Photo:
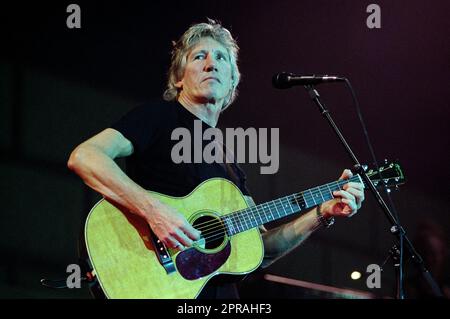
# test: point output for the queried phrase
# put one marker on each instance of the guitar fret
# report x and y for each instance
(282, 205)
(330, 191)
(302, 205)
(276, 208)
(249, 220)
(312, 196)
(321, 195)
(270, 211)
(259, 215)
(289, 202)
(240, 225)
(326, 193)
(310, 202)
(295, 198)
(230, 227)
(318, 196)
(288, 205)
(242, 221)
(245, 220)
(253, 221)
(238, 221)
(335, 186)
(254, 218)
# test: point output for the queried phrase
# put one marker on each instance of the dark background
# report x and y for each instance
(59, 86)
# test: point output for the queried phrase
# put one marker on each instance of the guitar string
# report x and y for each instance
(217, 229)
(271, 204)
(244, 215)
(220, 233)
(218, 223)
(216, 235)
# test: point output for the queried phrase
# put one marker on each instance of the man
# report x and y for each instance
(203, 78)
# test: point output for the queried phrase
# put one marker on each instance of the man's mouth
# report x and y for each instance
(211, 78)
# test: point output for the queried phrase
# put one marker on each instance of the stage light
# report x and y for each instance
(355, 275)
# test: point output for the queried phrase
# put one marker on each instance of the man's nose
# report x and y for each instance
(210, 64)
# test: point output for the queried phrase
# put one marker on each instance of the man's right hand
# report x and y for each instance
(171, 227)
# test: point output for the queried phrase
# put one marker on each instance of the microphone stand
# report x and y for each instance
(396, 229)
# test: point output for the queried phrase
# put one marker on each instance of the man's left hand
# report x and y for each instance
(347, 201)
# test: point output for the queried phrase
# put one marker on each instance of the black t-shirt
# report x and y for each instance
(149, 128)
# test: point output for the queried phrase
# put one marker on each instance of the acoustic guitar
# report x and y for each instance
(130, 262)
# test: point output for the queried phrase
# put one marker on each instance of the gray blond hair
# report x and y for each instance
(181, 48)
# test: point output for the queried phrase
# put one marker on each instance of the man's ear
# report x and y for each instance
(179, 84)
(233, 82)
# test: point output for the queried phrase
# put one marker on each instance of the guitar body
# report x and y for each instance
(125, 258)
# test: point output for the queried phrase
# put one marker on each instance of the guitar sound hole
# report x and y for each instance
(212, 231)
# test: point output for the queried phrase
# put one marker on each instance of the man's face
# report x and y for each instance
(207, 73)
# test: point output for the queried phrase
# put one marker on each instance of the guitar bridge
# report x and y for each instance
(163, 255)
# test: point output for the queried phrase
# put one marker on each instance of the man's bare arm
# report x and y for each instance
(94, 162)
(283, 239)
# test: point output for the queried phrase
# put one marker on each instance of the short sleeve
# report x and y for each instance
(142, 125)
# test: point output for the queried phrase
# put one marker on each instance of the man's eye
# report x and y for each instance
(199, 57)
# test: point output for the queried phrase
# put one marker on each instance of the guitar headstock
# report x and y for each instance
(390, 174)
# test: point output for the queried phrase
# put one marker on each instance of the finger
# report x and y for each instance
(351, 205)
(357, 194)
(346, 174)
(171, 243)
(174, 244)
(344, 194)
(182, 239)
(191, 232)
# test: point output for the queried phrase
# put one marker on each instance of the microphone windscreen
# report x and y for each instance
(281, 80)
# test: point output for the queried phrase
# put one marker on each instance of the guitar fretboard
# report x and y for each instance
(255, 216)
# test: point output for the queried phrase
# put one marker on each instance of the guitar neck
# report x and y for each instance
(255, 216)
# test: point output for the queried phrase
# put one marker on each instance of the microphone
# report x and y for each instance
(285, 80)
